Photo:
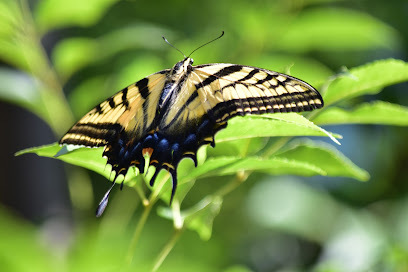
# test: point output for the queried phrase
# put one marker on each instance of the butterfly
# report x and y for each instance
(168, 115)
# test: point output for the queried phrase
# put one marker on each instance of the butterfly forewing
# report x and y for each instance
(240, 90)
(128, 111)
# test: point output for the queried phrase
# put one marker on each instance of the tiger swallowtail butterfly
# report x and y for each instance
(170, 114)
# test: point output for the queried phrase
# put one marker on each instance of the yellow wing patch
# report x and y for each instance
(122, 111)
(240, 90)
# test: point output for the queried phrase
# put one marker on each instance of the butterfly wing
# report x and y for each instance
(119, 122)
(214, 93)
(227, 90)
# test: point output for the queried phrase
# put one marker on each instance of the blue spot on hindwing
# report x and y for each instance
(166, 150)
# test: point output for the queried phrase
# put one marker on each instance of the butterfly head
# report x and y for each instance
(182, 67)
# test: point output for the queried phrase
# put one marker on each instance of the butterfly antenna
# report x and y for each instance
(173, 46)
(222, 34)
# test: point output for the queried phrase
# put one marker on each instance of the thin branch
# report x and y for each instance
(142, 221)
(167, 248)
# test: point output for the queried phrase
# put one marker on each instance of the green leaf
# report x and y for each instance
(209, 168)
(20, 89)
(273, 166)
(255, 126)
(336, 29)
(367, 79)
(90, 158)
(72, 54)
(200, 217)
(20, 239)
(221, 166)
(378, 112)
(11, 48)
(270, 125)
(10, 18)
(12, 53)
(52, 14)
(326, 157)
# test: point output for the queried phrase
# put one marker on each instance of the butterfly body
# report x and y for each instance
(170, 114)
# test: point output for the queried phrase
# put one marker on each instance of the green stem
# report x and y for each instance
(57, 116)
(136, 234)
(167, 248)
(277, 145)
(142, 221)
(239, 178)
(141, 194)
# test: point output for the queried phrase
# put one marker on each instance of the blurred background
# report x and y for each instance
(88, 50)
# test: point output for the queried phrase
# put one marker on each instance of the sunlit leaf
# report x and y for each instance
(10, 18)
(90, 158)
(270, 125)
(367, 79)
(329, 159)
(11, 53)
(377, 112)
(221, 166)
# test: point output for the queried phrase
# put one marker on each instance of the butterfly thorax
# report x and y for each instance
(178, 74)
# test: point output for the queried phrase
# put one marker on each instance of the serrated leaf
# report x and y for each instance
(367, 79)
(329, 159)
(378, 112)
(270, 125)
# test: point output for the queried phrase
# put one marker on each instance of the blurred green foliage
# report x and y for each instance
(62, 57)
